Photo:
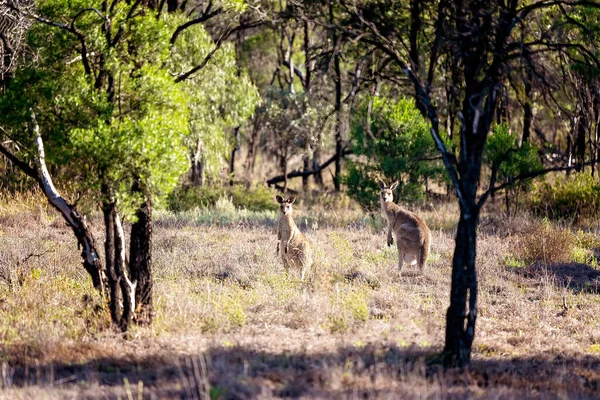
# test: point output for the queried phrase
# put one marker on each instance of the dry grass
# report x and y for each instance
(232, 324)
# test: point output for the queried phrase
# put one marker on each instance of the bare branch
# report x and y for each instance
(206, 15)
(218, 43)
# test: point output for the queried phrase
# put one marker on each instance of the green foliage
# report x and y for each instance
(220, 97)
(256, 198)
(575, 197)
(121, 120)
(502, 148)
(395, 146)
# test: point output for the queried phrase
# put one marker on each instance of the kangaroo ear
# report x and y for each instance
(291, 199)
(394, 185)
(381, 184)
(279, 199)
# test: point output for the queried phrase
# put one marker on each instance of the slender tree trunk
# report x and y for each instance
(140, 262)
(338, 108)
(85, 239)
(580, 134)
(126, 285)
(234, 150)
(459, 338)
(283, 166)
(527, 109)
(109, 212)
(307, 83)
(198, 162)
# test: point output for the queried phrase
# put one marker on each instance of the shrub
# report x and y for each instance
(544, 245)
(502, 147)
(257, 198)
(575, 197)
(396, 145)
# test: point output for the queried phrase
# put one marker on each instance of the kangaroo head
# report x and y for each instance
(285, 205)
(386, 191)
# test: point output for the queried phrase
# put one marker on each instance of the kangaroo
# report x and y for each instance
(292, 245)
(412, 235)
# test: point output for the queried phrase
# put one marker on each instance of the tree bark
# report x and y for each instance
(338, 107)
(140, 262)
(459, 339)
(109, 212)
(127, 286)
(234, 150)
(198, 165)
(527, 109)
(307, 83)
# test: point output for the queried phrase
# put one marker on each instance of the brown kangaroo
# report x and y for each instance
(412, 235)
(292, 245)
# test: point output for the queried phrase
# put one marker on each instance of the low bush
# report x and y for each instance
(545, 244)
(574, 198)
(256, 198)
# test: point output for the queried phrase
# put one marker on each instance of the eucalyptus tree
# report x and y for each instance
(480, 38)
(115, 109)
(221, 97)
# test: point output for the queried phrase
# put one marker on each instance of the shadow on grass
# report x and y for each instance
(365, 372)
(574, 276)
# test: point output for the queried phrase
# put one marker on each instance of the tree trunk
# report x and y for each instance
(127, 287)
(459, 337)
(527, 109)
(234, 150)
(198, 165)
(580, 134)
(338, 108)
(85, 239)
(307, 83)
(109, 212)
(140, 262)
(283, 166)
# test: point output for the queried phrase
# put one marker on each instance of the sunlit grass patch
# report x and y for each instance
(349, 307)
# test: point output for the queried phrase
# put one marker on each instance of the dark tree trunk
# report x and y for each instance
(581, 125)
(316, 162)
(173, 5)
(283, 166)
(140, 262)
(338, 107)
(234, 150)
(307, 83)
(527, 109)
(109, 211)
(198, 165)
(459, 336)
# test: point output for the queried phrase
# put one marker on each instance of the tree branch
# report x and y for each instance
(206, 15)
(296, 174)
(219, 42)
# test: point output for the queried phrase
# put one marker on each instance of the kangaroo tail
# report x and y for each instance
(424, 253)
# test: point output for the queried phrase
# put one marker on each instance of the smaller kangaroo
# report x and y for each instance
(412, 235)
(292, 245)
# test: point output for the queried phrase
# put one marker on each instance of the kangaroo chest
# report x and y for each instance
(286, 228)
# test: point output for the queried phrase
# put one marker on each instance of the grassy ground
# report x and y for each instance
(231, 323)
